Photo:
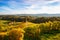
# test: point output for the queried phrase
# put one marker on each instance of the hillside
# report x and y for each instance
(44, 29)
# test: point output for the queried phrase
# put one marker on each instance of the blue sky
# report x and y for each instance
(29, 6)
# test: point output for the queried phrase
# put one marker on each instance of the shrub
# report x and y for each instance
(32, 33)
(16, 34)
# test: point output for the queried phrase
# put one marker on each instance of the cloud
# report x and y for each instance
(31, 7)
(44, 9)
(51, 9)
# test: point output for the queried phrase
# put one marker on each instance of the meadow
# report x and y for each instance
(29, 28)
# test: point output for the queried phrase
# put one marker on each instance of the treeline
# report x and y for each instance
(45, 19)
(29, 18)
(12, 18)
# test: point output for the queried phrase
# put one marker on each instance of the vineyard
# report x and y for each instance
(29, 28)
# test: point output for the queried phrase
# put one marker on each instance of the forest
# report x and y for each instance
(29, 28)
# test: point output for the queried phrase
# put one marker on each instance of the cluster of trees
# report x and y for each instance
(29, 18)
(13, 18)
(45, 19)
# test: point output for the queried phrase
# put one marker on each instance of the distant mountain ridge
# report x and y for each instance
(39, 15)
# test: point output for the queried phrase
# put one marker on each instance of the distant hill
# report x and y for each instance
(40, 15)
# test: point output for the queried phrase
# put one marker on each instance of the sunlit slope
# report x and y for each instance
(7, 25)
(27, 24)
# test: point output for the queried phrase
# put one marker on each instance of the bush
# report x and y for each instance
(32, 33)
(16, 34)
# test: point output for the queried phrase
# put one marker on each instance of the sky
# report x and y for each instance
(29, 6)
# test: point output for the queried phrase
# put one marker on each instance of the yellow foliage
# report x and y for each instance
(16, 34)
